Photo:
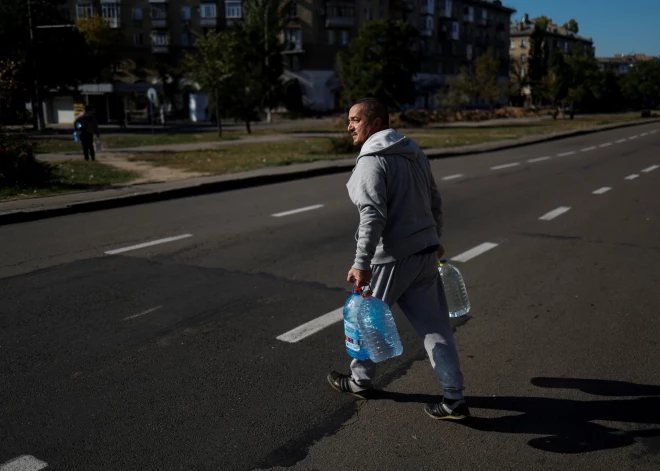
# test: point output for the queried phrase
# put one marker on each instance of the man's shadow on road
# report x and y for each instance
(566, 426)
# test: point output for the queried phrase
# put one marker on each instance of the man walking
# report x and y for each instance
(398, 246)
(86, 126)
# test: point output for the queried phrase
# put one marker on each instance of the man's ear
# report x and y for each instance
(378, 123)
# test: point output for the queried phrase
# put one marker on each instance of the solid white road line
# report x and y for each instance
(500, 167)
(142, 313)
(452, 177)
(296, 211)
(602, 190)
(474, 252)
(564, 154)
(148, 244)
(539, 159)
(312, 327)
(651, 168)
(607, 144)
(23, 463)
(555, 213)
(587, 149)
(632, 177)
(621, 140)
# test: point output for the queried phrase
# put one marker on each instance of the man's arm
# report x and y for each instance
(367, 189)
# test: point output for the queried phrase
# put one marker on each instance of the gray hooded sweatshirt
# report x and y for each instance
(398, 200)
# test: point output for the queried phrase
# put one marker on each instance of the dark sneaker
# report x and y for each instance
(345, 384)
(448, 409)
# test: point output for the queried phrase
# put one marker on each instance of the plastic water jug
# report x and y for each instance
(377, 328)
(354, 345)
(457, 297)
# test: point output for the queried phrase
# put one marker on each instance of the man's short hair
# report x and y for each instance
(89, 108)
(373, 108)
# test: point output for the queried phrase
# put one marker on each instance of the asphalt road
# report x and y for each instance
(167, 357)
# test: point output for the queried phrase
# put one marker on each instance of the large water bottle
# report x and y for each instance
(457, 297)
(378, 329)
(354, 346)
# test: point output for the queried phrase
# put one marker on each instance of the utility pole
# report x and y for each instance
(269, 115)
(37, 109)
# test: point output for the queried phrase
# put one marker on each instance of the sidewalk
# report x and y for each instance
(31, 209)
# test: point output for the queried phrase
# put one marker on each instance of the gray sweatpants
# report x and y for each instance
(414, 283)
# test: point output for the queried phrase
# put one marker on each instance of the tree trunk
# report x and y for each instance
(247, 126)
(217, 114)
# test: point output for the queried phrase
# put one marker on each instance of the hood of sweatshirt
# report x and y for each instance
(388, 142)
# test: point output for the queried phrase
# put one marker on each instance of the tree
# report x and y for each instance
(459, 91)
(106, 45)
(539, 58)
(641, 85)
(213, 67)
(485, 82)
(379, 63)
(517, 83)
(572, 26)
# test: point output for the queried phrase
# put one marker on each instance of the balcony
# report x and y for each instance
(426, 33)
(484, 22)
(468, 18)
(112, 22)
(293, 48)
(159, 22)
(160, 49)
(445, 13)
(208, 22)
(339, 22)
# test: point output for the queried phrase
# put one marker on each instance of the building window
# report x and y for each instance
(160, 39)
(429, 23)
(65, 13)
(468, 51)
(455, 31)
(468, 14)
(344, 37)
(187, 39)
(138, 39)
(367, 13)
(233, 10)
(332, 36)
(208, 10)
(292, 10)
(293, 38)
(345, 12)
(185, 13)
(84, 10)
(158, 12)
(566, 48)
(522, 72)
(110, 13)
(427, 6)
(484, 15)
(446, 8)
(523, 43)
(523, 58)
(137, 14)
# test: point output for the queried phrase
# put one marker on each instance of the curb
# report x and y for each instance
(16, 217)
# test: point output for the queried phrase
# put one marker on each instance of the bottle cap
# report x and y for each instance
(356, 289)
(442, 263)
(366, 291)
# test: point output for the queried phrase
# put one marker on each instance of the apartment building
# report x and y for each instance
(453, 34)
(558, 39)
(622, 63)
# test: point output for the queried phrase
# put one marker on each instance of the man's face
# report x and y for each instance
(359, 126)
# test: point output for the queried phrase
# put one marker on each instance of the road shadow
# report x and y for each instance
(565, 425)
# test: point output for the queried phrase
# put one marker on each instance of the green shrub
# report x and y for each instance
(18, 167)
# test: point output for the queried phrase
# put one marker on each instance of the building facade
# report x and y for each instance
(622, 63)
(453, 34)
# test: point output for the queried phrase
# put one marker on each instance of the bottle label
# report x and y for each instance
(352, 336)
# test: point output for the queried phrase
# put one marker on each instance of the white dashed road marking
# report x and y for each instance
(633, 137)
(312, 326)
(555, 213)
(500, 167)
(621, 140)
(653, 132)
(587, 149)
(564, 154)
(142, 313)
(651, 168)
(632, 177)
(452, 177)
(296, 211)
(607, 144)
(602, 190)
(539, 159)
(474, 252)
(23, 463)
(148, 244)
(644, 134)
